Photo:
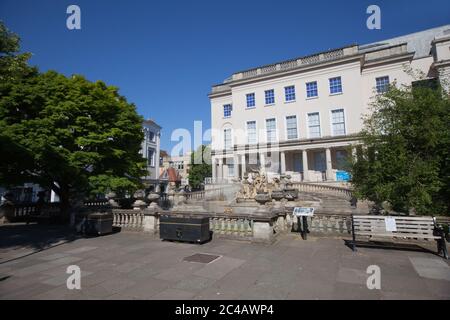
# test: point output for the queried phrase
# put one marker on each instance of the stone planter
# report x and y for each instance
(277, 195)
(262, 198)
(291, 194)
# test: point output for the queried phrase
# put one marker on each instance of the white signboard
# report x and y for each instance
(390, 224)
(303, 211)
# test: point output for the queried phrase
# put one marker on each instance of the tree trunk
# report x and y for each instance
(64, 200)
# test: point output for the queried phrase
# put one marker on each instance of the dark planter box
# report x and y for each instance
(99, 223)
(184, 228)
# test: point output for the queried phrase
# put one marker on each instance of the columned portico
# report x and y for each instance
(318, 162)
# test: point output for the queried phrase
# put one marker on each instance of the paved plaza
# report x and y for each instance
(129, 265)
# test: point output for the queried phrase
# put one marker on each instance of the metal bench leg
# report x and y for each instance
(353, 236)
(444, 247)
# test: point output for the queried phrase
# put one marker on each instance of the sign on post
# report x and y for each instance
(390, 224)
(303, 211)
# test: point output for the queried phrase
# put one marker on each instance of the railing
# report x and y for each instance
(24, 210)
(290, 64)
(129, 219)
(195, 195)
(330, 223)
(96, 203)
(329, 190)
(236, 227)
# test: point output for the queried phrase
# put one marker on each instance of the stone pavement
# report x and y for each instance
(139, 266)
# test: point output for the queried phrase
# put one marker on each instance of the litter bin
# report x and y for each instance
(99, 223)
(184, 228)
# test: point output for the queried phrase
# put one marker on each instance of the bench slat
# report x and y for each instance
(396, 217)
(400, 235)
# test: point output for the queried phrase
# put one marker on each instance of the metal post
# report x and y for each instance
(353, 235)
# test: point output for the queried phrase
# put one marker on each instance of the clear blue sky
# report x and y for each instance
(165, 55)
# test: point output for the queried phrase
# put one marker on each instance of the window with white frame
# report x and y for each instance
(289, 93)
(227, 139)
(382, 84)
(314, 125)
(227, 108)
(250, 100)
(151, 157)
(291, 127)
(311, 89)
(271, 130)
(270, 96)
(335, 85)
(251, 132)
(338, 122)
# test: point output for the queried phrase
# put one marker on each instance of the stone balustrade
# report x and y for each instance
(234, 227)
(323, 189)
(128, 219)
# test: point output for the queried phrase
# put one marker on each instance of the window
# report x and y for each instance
(311, 89)
(151, 136)
(289, 93)
(227, 110)
(270, 96)
(250, 100)
(230, 166)
(291, 127)
(227, 138)
(335, 85)
(271, 128)
(251, 132)
(314, 125)
(341, 160)
(382, 84)
(151, 157)
(338, 122)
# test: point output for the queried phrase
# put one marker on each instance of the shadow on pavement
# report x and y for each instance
(19, 239)
(385, 245)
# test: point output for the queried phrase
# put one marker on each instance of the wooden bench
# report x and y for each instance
(404, 227)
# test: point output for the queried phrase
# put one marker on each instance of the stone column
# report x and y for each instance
(243, 166)
(236, 166)
(283, 162)
(214, 170)
(220, 169)
(262, 162)
(329, 164)
(305, 165)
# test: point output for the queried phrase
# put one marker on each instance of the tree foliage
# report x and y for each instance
(405, 159)
(66, 133)
(200, 166)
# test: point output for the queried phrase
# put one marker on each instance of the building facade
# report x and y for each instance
(151, 151)
(180, 163)
(302, 116)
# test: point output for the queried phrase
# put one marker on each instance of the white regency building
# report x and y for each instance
(150, 150)
(302, 116)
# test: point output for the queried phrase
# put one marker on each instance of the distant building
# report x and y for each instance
(301, 116)
(180, 163)
(151, 151)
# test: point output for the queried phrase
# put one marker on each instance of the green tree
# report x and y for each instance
(13, 65)
(200, 166)
(404, 159)
(71, 135)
